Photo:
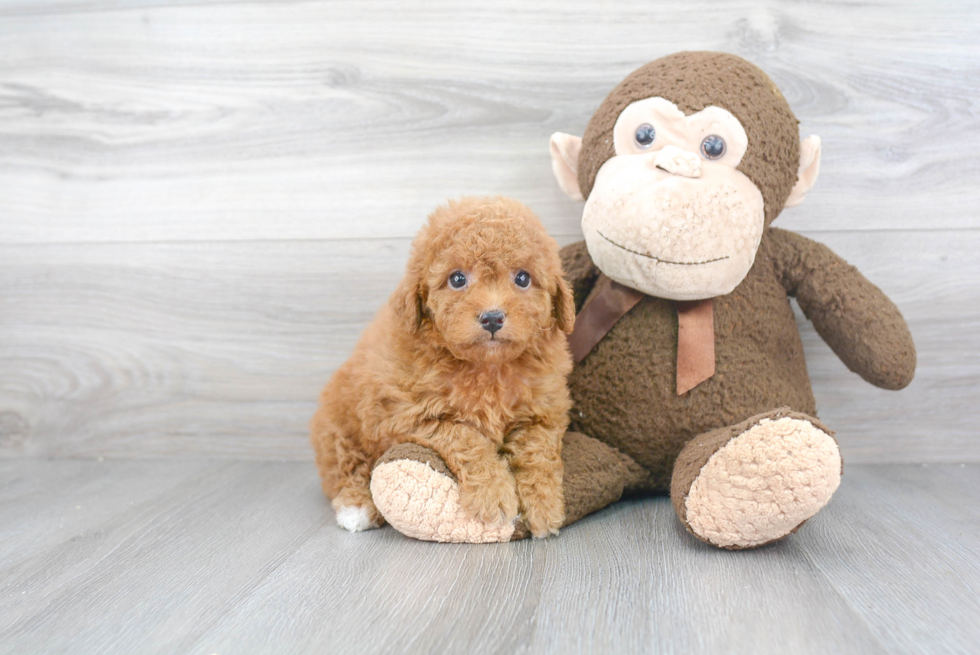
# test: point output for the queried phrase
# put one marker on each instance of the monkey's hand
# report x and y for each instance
(856, 319)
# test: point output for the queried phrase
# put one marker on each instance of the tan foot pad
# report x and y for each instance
(764, 483)
(423, 504)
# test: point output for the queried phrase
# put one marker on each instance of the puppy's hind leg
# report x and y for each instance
(344, 473)
(353, 505)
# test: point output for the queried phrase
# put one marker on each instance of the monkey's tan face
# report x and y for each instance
(669, 214)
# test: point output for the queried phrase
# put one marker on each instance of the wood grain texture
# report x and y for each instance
(41, 509)
(203, 203)
(920, 525)
(243, 557)
(221, 349)
(148, 121)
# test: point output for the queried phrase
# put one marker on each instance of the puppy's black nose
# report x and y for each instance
(492, 320)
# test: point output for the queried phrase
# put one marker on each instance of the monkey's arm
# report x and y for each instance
(580, 272)
(854, 317)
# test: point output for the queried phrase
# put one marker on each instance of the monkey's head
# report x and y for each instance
(683, 167)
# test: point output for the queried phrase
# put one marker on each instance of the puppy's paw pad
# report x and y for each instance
(354, 519)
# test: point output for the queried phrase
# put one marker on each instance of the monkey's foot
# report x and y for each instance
(756, 482)
(419, 496)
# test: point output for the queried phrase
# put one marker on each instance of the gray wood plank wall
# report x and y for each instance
(203, 203)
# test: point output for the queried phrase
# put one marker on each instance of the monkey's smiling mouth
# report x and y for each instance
(657, 259)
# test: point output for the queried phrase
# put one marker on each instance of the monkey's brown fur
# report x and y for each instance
(624, 390)
(426, 372)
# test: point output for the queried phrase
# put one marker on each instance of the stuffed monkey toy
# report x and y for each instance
(690, 377)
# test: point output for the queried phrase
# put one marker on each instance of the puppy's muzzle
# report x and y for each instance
(492, 320)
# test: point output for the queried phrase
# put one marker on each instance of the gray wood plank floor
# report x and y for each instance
(243, 557)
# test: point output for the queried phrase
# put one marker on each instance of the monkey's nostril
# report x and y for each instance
(492, 320)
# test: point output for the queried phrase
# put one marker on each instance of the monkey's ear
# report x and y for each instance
(809, 169)
(563, 304)
(408, 304)
(564, 162)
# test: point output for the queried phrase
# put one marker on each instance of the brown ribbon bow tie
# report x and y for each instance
(695, 343)
(695, 330)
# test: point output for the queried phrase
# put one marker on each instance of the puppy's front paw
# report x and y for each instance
(491, 500)
(545, 515)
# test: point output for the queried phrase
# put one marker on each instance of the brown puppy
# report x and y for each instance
(468, 358)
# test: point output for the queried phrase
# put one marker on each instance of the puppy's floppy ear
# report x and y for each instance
(408, 303)
(563, 306)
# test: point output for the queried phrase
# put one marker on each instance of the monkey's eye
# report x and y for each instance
(522, 279)
(457, 280)
(713, 147)
(645, 134)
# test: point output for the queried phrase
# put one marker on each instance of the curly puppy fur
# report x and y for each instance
(493, 405)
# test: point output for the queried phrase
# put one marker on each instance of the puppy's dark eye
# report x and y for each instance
(645, 134)
(522, 279)
(457, 280)
(713, 147)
